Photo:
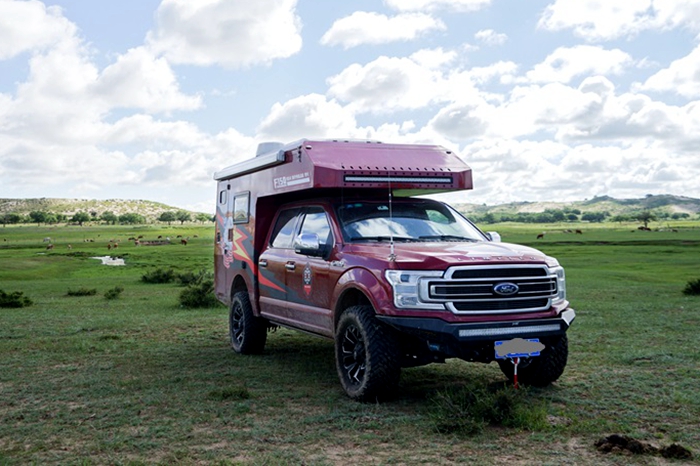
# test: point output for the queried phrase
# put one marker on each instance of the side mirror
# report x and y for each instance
(308, 244)
(493, 236)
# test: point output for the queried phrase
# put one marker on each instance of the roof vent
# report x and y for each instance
(267, 147)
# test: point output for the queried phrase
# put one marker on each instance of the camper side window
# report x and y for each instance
(284, 229)
(241, 208)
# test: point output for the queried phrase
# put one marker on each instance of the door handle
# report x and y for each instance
(290, 266)
(263, 262)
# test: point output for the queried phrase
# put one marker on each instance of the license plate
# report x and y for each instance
(518, 348)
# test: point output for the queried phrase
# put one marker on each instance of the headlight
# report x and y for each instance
(561, 283)
(406, 285)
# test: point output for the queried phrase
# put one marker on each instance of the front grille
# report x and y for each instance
(473, 290)
(502, 305)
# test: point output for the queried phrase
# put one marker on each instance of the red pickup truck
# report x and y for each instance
(328, 237)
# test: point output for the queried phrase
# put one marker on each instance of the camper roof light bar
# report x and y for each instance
(398, 179)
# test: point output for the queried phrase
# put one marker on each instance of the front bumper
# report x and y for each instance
(430, 329)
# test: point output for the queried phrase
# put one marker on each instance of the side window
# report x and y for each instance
(283, 232)
(316, 221)
(241, 207)
(223, 197)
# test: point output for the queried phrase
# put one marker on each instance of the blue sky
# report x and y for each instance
(554, 100)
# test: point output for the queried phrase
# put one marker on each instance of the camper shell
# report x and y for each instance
(286, 255)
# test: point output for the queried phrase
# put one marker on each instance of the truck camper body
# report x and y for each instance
(328, 237)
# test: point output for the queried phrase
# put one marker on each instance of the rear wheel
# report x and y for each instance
(367, 356)
(542, 370)
(247, 332)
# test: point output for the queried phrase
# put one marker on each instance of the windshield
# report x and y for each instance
(404, 220)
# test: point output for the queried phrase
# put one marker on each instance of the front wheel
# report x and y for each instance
(247, 332)
(367, 356)
(542, 370)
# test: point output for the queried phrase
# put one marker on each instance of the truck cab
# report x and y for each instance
(328, 237)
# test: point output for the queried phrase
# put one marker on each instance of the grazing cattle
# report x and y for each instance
(579, 232)
(643, 228)
(109, 246)
(50, 246)
(540, 236)
(160, 237)
(183, 241)
(140, 237)
(137, 243)
(70, 247)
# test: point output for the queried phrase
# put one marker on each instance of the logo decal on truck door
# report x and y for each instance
(307, 280)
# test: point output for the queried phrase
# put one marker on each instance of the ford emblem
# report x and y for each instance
(505, 289)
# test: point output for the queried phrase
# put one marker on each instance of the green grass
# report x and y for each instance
(141, 380)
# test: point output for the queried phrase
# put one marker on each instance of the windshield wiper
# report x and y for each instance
(382, 238)
(447, 238)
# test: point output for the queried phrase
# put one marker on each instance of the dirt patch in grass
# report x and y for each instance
(616, 443)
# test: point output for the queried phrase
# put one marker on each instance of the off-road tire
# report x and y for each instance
(367, 355)
(247, 333)
(542, 370)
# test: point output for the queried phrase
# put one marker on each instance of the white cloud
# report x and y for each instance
(54, 126)
(567, 63)
(373, 28)
(430, 5)
(66, 98)
(30, 26)
(462, 121)
(433, 58)
(612, 19)
(307, 116)
(491, 37)
(385, 85)
(681, 77)
(503, 72)
(139, 80)
(525, 111)
(507, 170)
(145, 131)
(230, 34)
(590, 112)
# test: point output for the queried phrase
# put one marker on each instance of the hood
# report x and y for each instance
(435, 256)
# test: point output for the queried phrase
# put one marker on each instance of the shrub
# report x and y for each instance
(468, 410)
(692, 287)
(188, 278)
(199, 293)
(114, 292)
(82, 292)
(231, 393)
(14, 299)
(158, 276)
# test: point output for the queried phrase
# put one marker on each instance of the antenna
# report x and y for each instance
(392, 255)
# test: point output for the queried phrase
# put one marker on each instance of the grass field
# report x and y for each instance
(140, 380)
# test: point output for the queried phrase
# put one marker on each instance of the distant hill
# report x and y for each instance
(149, 209)
(664, 203)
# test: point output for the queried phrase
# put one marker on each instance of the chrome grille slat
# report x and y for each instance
(470, 290)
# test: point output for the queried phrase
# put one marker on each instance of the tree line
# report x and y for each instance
(110, 218)
(575, 215)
